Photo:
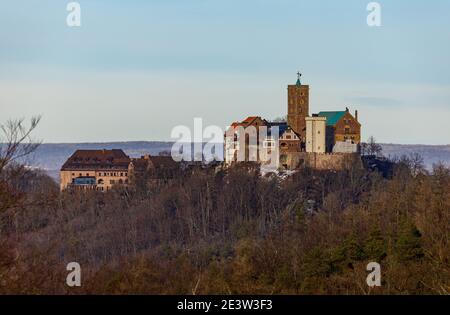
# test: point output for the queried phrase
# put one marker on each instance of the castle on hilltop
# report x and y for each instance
(321, 140)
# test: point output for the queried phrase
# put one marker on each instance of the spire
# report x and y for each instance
(298, 79)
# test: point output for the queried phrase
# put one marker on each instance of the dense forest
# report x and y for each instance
(214, 230)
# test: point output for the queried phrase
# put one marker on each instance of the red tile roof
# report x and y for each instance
(97, 159)
(249, 120)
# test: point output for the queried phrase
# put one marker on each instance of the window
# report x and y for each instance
(121, 174)
(112, 181)
(347, 130)
(288, 136)
(318, 132)
(268, 144)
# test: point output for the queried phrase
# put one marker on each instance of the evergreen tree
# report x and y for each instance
(408, 243)
(375, 245)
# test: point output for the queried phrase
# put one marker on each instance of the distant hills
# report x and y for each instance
(431, 153)
(51, 156)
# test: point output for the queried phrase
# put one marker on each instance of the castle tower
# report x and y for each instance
(298, 107)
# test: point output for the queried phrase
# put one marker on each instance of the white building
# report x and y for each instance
(315, 134)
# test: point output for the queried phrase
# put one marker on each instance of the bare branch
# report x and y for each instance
(16, 141)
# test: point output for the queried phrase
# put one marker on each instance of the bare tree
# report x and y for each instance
(16, 141)
(417, 164)
(371, 147)
(280, 119)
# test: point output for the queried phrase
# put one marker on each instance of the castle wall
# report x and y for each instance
(323, 161)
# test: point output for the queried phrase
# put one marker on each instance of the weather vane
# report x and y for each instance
(298, 78)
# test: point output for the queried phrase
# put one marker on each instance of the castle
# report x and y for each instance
(322, 140)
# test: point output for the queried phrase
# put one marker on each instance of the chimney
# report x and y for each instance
(356, 115)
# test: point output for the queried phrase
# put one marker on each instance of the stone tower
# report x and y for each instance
(298, 107)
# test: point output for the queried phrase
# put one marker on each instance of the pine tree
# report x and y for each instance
(408, 245)
(375, 245)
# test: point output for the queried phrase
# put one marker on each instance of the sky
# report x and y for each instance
(136, 69)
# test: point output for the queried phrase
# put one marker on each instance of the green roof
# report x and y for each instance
(332, 117)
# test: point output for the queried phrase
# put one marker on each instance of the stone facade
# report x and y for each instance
(298, 108)
(322, 161)
(348, 128)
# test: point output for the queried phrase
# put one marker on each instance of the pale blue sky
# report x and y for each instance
(135, 69)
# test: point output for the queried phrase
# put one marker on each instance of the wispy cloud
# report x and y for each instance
(375, 101)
